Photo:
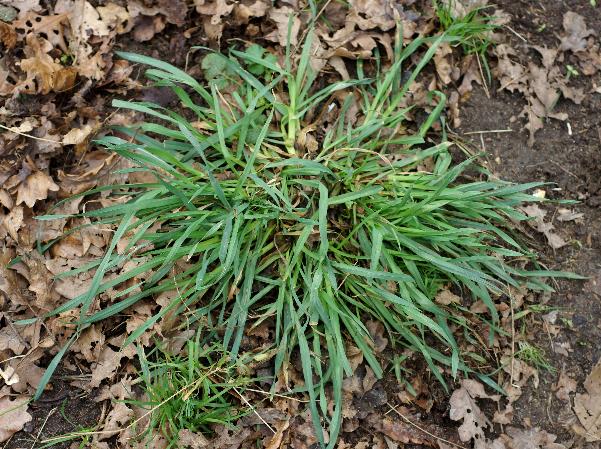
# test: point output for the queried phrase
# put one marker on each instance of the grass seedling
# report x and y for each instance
(259, 209)
(473, 29)
(188, 391)
(534, 356)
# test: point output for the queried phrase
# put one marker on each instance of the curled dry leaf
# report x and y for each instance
(35, 188)
(587, 406)
(42, 71)
(13, 416)
(8, 35)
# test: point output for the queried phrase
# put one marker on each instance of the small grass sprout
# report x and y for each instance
(272, 198)
(534, 356)
(190, 390)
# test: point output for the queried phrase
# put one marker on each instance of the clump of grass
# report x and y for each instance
(188, 391)
(534, 356)
(313, 237)
(474, 29)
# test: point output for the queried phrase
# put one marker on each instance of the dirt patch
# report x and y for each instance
(568, 156)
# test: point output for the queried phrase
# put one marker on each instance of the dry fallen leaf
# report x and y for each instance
(447, 297)
(34, 188)
(587, 406)
(192, 440)
(464, 407)
(576, 32)
(13, 416)
(538, 214)
(535, 438)
(565, 386)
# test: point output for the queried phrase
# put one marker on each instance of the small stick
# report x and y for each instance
(516, 33)
(489, 131)
(37, 437)
(254, 410)
(29, 135)
(482, 76)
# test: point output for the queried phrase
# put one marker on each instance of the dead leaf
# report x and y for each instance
(281, 17)
(505, 416)
(447, 297)
(564, 214)
(35, 188)
(43, 73)
(446, 72)
(538, 214)
(576, 32)
(50, 26)
(108, 364)
(78, 135)
(8, 35)
(528, 439)
(464, 407)
(370, 14)
(565, 386)
(192, 440)
(13, 416)
(24, 6)
(116, 420)
(9, 375)
(398, 430)
(275, 441)
(587, 406)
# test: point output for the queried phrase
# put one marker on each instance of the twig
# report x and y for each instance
(489, 131)
(254, 410)
(29, 135)
(482, 77)
(512, 338)
(516, 33)
(37, 437)
(422, 429)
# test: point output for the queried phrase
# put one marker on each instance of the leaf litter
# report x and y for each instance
(68, 48)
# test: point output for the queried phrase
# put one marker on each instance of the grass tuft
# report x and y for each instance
(272, 199)
(187, 391)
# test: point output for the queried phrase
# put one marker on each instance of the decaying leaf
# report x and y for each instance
(565, 385)
(587, 406)
(533, 210)
(44, 74)
(192, 440)
(535, 438)
(13, 416)
(35, 188)
(108, 363)
(464, 407)
(576, 32)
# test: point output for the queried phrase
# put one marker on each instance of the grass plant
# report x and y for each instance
(248, 221)
(190, 390)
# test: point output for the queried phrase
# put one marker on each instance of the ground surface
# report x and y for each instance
(568, 158)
